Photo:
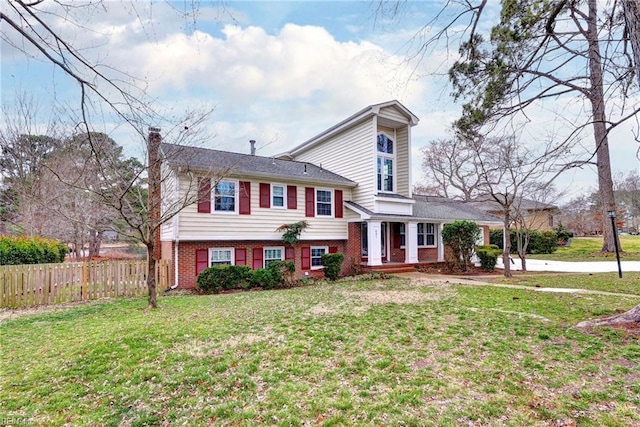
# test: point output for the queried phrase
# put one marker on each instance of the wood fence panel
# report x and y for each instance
(46, 284)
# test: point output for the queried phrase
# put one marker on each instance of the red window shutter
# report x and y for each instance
(338, 197)
(333, 249)
(306, 258)
(204, 195)
(292, 197)
(241, 256)
(202, 260)
(289, 253)
(309, 201)
(265, 195)
(257, 258)
(245, 198)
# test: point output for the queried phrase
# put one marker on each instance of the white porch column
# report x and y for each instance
(440, 244)
(374, 242)
(411, 243)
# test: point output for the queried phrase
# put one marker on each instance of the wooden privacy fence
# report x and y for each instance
(45, 284)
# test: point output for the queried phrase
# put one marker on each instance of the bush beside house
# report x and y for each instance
(235, 277)
(540, 242)
(31, 250)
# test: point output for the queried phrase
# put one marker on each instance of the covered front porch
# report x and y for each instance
(400, 242)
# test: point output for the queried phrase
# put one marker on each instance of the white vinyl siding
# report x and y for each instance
(403, 160)
(394, 114)
(350, 154)
(261, 223)
(169, 190)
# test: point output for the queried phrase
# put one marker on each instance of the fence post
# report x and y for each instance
(85, 281)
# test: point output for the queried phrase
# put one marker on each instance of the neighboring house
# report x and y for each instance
(351, 183)
(537, 215)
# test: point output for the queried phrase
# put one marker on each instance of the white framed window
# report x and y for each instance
(273, 254)
(225, 197)
(221, 256)
(316, 256)
(426, 234)
(385, 163)
(364, 239)
(278, 194)
(324, 202)
(403, 234)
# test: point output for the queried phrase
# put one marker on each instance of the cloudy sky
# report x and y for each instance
(276, 72)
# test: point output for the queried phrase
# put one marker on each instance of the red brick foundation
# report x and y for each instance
(187, 256)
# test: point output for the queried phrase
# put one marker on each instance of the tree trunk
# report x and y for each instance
(152, 286)
(506, 260)
(632, 17)
(630, 316)
(94, 243)
(153, 200)
(596, 97)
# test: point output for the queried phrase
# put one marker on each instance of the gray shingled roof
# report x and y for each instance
(442, 208)
(489, 205)
(246, 165)
(428, 208)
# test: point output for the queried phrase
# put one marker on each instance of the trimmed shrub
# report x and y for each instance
(488, 255)
(332, 264)
(224, 277)
(283, 271)
(461, 238)
(543, 242)
(540, 242)
(31, 250)
(265, 278)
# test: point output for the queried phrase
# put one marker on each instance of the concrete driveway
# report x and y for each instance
(574, 267)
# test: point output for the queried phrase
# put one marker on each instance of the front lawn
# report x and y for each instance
(588, 249)
(388, 352)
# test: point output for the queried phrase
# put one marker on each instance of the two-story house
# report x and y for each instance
(351, 184)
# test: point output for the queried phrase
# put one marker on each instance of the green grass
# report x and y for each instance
(607, 282)
(388, 352)
(588, 249)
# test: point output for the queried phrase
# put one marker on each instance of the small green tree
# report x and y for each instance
(291, 232)
(461, 238)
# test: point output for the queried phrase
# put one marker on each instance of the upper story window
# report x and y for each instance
(385, 163)
(385, 144)
(277, 196)
(324, 203)
(225, 196)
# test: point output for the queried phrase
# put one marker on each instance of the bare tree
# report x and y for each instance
(103, 87)
(537, 52)
(448, 164)
(25, 146)
(508, 173)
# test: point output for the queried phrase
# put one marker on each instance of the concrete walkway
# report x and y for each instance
(482, 281)
(573, 267)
